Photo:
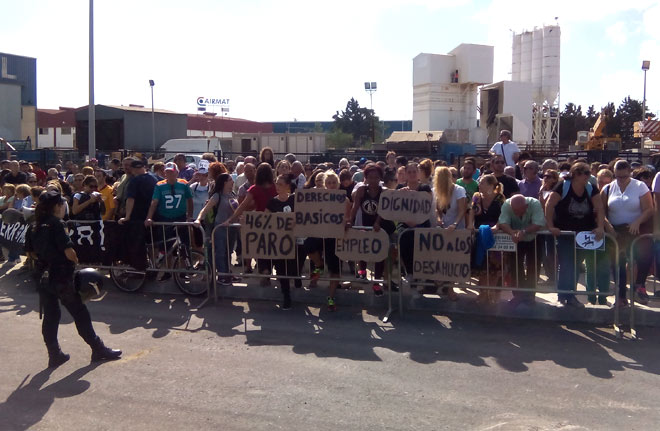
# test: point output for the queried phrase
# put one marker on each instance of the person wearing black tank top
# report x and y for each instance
(366, 199)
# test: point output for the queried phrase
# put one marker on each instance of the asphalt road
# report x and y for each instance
(251, 366)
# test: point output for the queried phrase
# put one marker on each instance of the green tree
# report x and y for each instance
(361, 123)
(571, 121)
(338, 139)
(630, 111)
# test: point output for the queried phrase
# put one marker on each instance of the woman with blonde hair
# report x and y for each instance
(451, 201)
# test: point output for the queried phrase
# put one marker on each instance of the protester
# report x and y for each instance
(366, 200)
(451, 202)
(509, 184)
(159, 171)
(185, 172)
(628, 206)
(88, 203)
(222, 205)
(530, 185)
(521, 218)
(250, 174)
(298, 174)
(266, 156)
(486, 209)
(284, 202)
(16, 176)
(467, 181)
(506, 148)
(106, 193)
(575, 205)
(200, 188)
(604, 177)
(7, 198)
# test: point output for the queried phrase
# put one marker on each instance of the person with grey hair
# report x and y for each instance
(530, 185)
(290, 157)
(522, 217)
(298, 172)
(506, 148)
(549, 164)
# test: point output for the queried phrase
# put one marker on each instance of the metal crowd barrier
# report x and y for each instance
(173, 241)
(300, 262)
(471, 283)
(634, 268)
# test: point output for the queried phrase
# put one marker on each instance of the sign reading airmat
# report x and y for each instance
(364, 245)
(268, 235)
(441, 254)
(320, 213)
(405, 205)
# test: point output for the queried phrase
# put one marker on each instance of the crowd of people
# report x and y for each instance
(506, 192)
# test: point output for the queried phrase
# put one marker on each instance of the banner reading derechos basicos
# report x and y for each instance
(268, 235)
(364, 245)
(320, 213)
(441, 254)
(405, 205)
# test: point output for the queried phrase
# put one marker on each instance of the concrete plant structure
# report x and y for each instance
(445, 89)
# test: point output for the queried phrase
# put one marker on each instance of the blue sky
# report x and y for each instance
(280, 60)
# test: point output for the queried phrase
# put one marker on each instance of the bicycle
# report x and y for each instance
(186, 268)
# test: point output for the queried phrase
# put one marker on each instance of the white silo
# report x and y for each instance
(516, 49)
(526, 57)
(537, 64)
(551, 51)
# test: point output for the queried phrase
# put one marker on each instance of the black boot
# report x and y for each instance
(102, 353)
(55, 356)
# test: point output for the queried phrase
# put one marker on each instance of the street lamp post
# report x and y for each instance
(646, 65)
(371, 87)
(153, 117)
(91, 135)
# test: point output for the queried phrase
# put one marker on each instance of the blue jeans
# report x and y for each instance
(597, 265)
(225, 238)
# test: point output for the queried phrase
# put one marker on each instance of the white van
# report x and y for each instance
(191, 145)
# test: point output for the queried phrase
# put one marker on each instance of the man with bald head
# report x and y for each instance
(241, 178)
(521, 218)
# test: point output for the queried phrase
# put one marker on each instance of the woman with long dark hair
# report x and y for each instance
(224, 204)
(266, 156)
(49, 244)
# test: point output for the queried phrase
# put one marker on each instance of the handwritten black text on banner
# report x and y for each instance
(320, 213)
(440, 254)
(268, 235)
(364, 245)
(405, 205)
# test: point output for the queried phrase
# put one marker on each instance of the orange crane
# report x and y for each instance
(596, 139)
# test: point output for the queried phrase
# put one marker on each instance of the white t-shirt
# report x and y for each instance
(200, 196)
(300, 182)
(626, 207)
(451, 216)
(656, 183)
(238, 182)
(507, 150)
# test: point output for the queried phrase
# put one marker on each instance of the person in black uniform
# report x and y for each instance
(48, 243)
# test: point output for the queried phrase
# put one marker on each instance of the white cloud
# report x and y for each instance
(617, 33)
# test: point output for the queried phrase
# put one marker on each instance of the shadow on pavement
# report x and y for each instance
(28, 404)
(354, 334)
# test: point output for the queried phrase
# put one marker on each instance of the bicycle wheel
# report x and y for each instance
(128, 280)
(193, 284)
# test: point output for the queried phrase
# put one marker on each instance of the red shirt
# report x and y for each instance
(261, 195)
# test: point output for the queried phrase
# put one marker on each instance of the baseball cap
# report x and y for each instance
(171, 166)
(203, 167)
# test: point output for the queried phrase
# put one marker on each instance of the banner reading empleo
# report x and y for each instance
(441, 254)
(405, 205)
(320, 213)
(268, 235)
(364, 245)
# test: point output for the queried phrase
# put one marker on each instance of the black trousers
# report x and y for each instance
(526, 268)
(286, 267)
(52, 313)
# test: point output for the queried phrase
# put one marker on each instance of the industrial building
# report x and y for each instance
(57, 128)
(18, 93)
(445, 90)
